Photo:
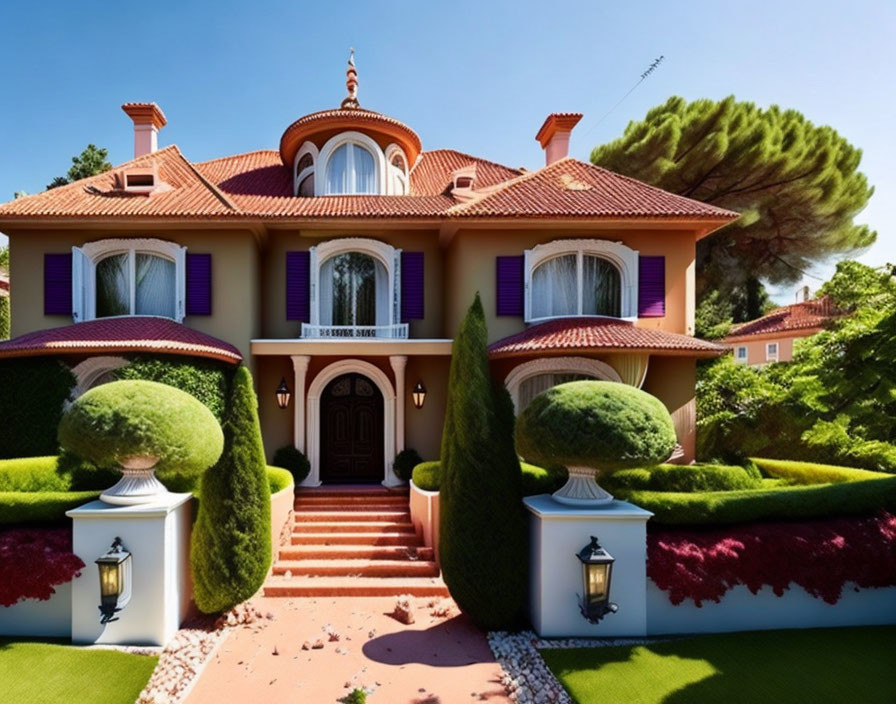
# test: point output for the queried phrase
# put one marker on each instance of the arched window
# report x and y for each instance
(526, 381)
(306, 159)
(128, 277)
(580, 277)
(351, 169)
(352, 284)
(398, 170)
(534, 385)
(575, 285)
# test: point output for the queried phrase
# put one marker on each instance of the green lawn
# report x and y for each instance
(38, 672)
(819, 666)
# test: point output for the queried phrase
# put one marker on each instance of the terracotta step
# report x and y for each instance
(354, 586)
(353, 527)
(369, 552)
(326, 538)
(360, 568)
(351, 500)
(372, 492)
(360, 515)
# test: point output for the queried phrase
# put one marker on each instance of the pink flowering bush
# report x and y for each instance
(820, 556)
(33, 561)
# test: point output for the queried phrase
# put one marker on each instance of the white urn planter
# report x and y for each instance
(138, 483)
(582, 490)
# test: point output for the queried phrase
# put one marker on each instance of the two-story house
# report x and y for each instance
(343, 262)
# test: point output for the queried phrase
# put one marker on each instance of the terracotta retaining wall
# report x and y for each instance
(281, 504)
(425, 516)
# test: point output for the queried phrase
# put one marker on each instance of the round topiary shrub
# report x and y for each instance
(404, 463)
(138, 427)
(594, 427)
(291, 458)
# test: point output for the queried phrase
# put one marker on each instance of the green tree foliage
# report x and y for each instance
(231, 544)
(131, 418)
(4, 300)
(796, 185)
(835, 402)
(483, 532)
(32, 393)
(90, 162)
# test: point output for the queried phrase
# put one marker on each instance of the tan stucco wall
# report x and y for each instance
(470, 267)
(274, 324)
(672, 381)
(235, 290)
(756, 350)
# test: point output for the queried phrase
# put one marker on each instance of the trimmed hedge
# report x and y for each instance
(278, 478)
(53, 473)
(404, 463)
(204, 379)
(598, 424)
(813, 473)
(128, 418)
(685, 478)
(292, 459)
(230, 550)
(535, 480)
(32, 394)
(788, 502)
(40, 506)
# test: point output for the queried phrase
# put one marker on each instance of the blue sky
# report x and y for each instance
(475, 76)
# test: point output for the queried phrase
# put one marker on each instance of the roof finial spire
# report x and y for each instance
(351, 83)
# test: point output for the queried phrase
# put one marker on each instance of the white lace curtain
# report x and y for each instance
(154, 286)
(351, 169)
(555, 287)
(534, 385)
(353, 290)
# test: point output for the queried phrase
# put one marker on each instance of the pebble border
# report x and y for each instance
(526, 677)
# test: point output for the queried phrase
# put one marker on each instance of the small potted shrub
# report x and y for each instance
(139, 427)
(404, 463)
(291, 458)
(594, 427)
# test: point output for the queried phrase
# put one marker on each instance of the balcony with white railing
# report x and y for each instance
(398, 331)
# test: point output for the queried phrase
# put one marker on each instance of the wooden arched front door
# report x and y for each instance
(351, 430)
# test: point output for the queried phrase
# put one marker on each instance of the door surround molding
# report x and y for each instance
(312, 413)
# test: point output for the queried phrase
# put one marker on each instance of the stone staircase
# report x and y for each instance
(354, 541)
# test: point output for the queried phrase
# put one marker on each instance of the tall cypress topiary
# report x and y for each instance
(231, 544)
(482, 547)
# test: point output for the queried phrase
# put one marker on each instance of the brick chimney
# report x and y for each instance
(148, 120)
(554, 135)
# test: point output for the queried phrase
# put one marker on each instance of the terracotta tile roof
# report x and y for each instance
(191, 194)
(432, 175)
(569, 187)
(592, 333)
(256, 185)
(797, 316)
(128, 334)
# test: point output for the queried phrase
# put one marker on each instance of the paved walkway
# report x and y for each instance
(433, 661)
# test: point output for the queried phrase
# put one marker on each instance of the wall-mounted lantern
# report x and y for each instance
(419, 394)
(597, 570)
(115, 581)
(282, 394)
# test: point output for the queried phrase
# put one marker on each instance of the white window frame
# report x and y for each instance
(385, 254)
(361, 140)
(557, 365)
(737, 357)
(397, 183)
(85, 259)
(306, 148)
(769, 356)
(623, 258)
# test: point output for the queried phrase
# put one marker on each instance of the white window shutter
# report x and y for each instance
(527, 285)
(180, 270)
(396, 287)
(82, 286)
(314, 269)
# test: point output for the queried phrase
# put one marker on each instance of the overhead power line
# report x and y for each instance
(650, 69)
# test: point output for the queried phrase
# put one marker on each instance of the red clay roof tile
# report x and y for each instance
(797, 316)
(128, 334)
(593, 333)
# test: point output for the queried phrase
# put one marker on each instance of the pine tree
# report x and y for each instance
(482, 547)
(231, 543)
(90, 162)
(796, 185)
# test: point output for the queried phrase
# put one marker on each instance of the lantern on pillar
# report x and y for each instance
(282, 393)
(597, 572)
(115, 581)
(419, 394)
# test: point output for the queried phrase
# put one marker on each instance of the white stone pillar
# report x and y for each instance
(158, 537)
(399, 362)
(300, 368)
(558, 532)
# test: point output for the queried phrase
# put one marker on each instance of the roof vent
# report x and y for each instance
(142, 180)
(462, 182)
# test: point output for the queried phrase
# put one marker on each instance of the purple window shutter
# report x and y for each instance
(58, 284)
(199, 284)
(298, 300)
(510, 285)
(651, 287)
(411, 286)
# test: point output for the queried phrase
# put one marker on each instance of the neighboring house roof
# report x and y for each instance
(126, 334)
(808, 315)
(256, 185)
(595, 333)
